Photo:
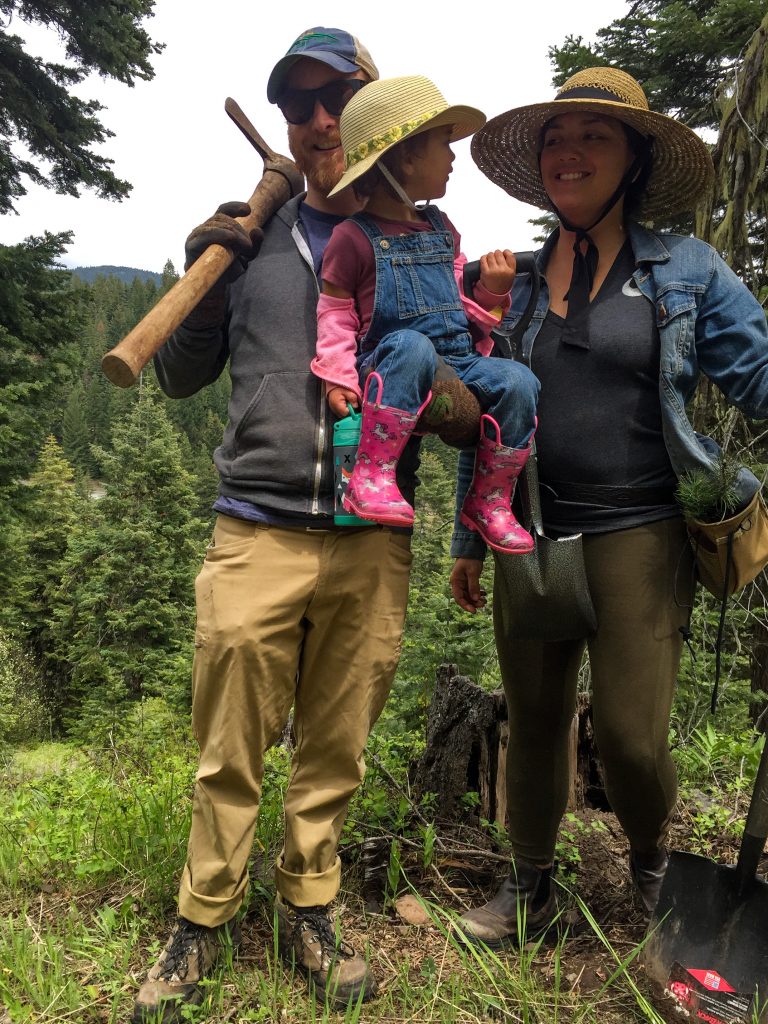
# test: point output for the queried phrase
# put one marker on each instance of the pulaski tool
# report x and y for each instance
(280, 181)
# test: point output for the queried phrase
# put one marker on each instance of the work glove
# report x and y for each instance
(220, 229)
(453, 412)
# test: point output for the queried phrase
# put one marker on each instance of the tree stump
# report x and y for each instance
(466, 751)
(466, 747)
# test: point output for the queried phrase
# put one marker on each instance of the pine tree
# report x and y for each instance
(37, 108)
(40, 319)
(53, 507)
(679, 50)
(124, 611)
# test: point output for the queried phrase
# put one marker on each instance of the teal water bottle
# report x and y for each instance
(346, 437)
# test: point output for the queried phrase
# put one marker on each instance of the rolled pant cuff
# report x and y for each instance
(308, 890)
(208, 911)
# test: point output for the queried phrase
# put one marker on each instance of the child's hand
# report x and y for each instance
(497, 271)
(339, 398)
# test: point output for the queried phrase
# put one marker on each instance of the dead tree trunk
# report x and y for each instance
(466, 728)
(758, 665)
(466, 751)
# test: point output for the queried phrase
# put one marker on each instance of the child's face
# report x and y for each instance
(431, 165)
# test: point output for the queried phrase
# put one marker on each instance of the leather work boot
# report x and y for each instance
(524, 905)
(648, 872)
(188, 957)
(308, 940)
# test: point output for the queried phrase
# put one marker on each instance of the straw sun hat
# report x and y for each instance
(507, 149)
(388, 111)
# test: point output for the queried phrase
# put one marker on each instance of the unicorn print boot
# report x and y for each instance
(372, 492)
(487, 505)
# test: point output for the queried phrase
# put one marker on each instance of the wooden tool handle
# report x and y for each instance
(756, 829)
(123, 364)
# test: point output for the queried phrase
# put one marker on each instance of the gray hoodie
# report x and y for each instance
(277, 450)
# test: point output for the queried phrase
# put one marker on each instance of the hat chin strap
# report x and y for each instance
(629, 175)
(576, 329)
(398, 189)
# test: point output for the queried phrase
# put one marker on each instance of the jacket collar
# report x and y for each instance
(647, 246)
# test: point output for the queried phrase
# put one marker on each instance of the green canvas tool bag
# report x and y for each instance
(543, 595)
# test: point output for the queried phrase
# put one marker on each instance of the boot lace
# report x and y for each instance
(188, 938)
(316, 921)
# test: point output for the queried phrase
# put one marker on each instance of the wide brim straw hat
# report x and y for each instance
(384, 113)
(507, 149)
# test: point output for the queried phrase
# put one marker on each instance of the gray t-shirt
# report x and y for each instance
(602, 460)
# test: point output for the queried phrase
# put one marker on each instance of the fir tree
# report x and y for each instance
(679, 50)
(41, 317)
(37, 108)
(124, 611)
(53, 507)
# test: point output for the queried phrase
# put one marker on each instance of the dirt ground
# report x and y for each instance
(594, 865)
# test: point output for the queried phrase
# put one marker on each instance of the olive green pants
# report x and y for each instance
(641, 582)
(286, 617)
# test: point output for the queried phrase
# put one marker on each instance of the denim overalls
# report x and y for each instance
(418, 316)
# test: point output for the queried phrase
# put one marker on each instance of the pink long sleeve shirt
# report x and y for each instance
(349, 264)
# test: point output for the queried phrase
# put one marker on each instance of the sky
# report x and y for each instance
(182, 154)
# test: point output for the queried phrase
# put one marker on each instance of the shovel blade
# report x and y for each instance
(708, 941)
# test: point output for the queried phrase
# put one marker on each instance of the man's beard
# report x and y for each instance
(322, 170)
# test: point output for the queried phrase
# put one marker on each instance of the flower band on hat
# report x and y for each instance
(384, 113)
(388, 138)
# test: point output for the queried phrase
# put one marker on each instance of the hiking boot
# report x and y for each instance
(525, 905)
(307, 939)
(188, 957)
(648, 872)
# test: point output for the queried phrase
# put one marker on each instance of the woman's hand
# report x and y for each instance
(465, 584)
(497, 271)
(339, 398)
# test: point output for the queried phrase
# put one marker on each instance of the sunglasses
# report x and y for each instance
(298, 105)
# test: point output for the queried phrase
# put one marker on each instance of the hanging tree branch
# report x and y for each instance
(735, 216)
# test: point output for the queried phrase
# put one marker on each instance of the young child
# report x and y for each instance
(392, 302)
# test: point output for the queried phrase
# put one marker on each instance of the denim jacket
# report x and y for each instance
(708, 322)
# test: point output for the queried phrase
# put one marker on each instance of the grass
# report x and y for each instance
(91, 847)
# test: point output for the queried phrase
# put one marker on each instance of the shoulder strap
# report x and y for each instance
(435, 217)
(367, 225)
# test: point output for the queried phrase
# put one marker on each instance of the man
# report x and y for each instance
(290, 609)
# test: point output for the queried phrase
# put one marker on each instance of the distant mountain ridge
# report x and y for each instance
(125, 274)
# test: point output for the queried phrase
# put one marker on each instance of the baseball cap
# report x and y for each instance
(332, 46)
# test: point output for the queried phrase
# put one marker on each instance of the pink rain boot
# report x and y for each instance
(372, 491)
(487, 505)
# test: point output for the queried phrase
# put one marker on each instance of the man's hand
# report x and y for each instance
(339, 397)
(465, 584)
(497, 271)
(223, 229)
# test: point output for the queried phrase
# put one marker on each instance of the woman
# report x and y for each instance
(626, 320)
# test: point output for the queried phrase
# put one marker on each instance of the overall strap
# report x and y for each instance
(435, 217)
(368, 226)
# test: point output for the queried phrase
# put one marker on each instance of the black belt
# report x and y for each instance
(604, 494)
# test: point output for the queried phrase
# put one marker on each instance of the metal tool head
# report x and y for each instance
(707, 943)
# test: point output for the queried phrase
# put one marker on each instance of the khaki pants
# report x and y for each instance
(286, 617)
(641, 581)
